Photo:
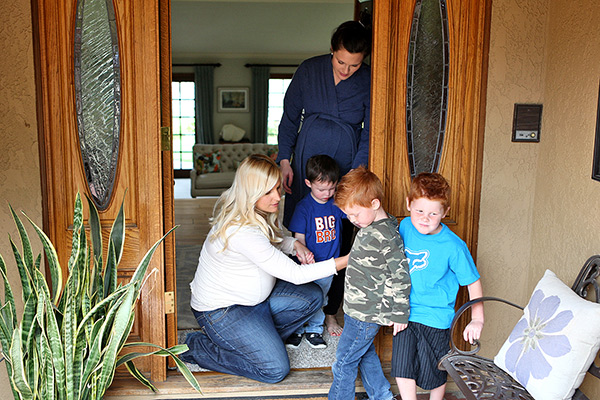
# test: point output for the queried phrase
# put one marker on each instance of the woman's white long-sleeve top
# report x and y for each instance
(246, 272)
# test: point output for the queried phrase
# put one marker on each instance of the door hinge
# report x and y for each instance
(169, 302)
(165, 138)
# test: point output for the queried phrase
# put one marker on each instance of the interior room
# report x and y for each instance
(232, 41)
(534, 205)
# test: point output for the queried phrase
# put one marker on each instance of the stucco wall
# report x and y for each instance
(516, 75)
(539, 205)
(566, 213)
(19, 163)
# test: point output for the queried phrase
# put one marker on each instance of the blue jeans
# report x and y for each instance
(315, 323)
(249, 340)
(356, 350)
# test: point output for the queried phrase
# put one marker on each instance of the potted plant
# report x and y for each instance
(67, 343)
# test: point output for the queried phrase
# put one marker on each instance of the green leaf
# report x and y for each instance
(95, 229)
(52, 262)
(110, 272)
(24, 272)
(9, 298)
(48, 384)
(121, 323)
(28, 318)
(25, 243)
(139, 376)
(56, 345)
(140, 271)
(117, 233)
(170, 352)
(76, 239)
(18, 377)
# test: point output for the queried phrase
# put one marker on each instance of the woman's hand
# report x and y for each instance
(287, 174)
(341, 262)
(305, 256)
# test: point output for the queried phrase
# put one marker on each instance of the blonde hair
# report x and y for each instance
(256, 176)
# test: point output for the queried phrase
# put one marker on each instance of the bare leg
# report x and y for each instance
(333, 327)
(438, 393)
(407, 388)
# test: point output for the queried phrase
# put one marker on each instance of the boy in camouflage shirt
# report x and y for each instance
(377, 287)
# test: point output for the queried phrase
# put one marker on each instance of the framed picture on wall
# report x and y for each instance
(596, 162)
(232, 99)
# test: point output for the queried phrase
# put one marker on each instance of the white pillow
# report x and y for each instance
(232, 133)
(554, 343)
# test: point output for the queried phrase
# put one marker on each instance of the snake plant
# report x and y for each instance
(68, 342)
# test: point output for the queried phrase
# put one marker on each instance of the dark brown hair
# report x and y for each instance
(352, 36)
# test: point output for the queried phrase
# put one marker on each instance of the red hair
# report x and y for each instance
(358, 187)
(432, 186)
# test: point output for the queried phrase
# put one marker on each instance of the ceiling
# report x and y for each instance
(203, 29)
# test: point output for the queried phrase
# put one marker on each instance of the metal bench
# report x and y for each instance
(479, 378)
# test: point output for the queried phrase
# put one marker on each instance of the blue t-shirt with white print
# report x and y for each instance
(439, 264)
(321, 225)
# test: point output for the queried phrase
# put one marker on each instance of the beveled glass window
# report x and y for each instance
(427, 86)
(98, 95)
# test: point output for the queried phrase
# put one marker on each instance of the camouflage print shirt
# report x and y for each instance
(377, 287)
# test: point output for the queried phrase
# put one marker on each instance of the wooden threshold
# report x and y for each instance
(223, 386)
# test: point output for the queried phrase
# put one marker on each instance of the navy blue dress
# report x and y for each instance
(320, 117)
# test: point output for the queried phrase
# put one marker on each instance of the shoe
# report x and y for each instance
(315, 340)
(293, 341)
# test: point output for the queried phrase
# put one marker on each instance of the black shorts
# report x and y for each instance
(416, 352)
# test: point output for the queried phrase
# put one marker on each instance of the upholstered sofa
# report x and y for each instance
(215, 165)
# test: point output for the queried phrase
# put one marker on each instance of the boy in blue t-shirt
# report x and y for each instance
(317, 223)
(439, 262)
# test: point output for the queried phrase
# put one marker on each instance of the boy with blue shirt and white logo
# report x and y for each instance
(317, 223)
(439, 262)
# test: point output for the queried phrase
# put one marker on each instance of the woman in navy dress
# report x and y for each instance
(326, 111)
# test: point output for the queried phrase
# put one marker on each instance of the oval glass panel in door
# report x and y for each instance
(98, 95)
(427, 86)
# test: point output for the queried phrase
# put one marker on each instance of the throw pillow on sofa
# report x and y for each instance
(208, 162)
(272, 153)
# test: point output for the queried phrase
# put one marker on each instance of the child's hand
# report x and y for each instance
(473, 331)
(305, 256)
(398, 327)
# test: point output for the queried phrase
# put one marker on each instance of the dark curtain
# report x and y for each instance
(204, 80)
(260, 102)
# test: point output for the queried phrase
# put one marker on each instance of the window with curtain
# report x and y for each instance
(184, 123)
(278, 84)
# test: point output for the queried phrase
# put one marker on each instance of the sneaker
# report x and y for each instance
(315, 340)
(293, 341)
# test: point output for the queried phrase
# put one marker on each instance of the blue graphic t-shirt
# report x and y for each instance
(321, 224)
(438, 264)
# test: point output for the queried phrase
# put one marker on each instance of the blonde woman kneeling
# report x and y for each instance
(248, 296)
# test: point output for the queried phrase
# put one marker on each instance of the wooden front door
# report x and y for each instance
(461, 158)
(139, 170)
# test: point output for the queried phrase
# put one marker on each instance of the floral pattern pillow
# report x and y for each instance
(208, 162)
(554, 343)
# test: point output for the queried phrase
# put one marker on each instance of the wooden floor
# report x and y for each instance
(192, 216)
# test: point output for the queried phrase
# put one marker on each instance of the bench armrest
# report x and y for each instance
(461, 311)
